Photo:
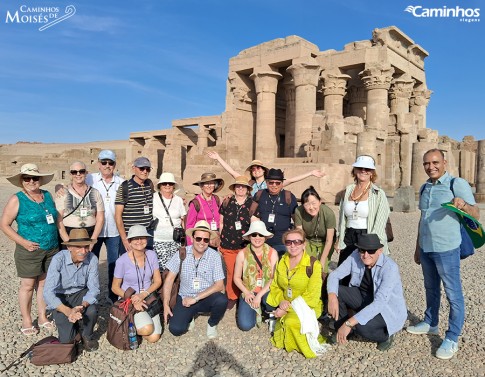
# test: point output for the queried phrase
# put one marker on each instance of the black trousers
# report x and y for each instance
(351, 297)
(67, 330)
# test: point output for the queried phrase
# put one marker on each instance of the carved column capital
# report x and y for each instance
(401, 87)
(334, 82)
(304, 73)
(377, 77)
(420, 97)
(265, 81)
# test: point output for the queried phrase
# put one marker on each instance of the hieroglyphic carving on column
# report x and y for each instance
(378, 76)
(290, 115)
(240, 92)
(357, 97)
(418, 104)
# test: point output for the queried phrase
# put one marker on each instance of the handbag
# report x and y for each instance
(49, 351)
(154, 303)
(466, 245)
(152, 225)
(121, 314)
(176, 283)
(389, 233)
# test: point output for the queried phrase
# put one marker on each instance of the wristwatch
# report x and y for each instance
(348, 324)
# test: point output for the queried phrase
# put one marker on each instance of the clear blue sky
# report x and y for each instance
(117, 67)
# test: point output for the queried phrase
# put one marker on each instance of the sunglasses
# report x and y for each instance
(294, 242)
(167, 184)
(274, 183)
(28, 179)
(143, 168)
(200, 239)
(364, 169)
(80, 171)
(256, 235)
(256, 167)
(110, 163)
(370, 252)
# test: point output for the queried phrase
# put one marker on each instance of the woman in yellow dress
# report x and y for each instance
(297, 275)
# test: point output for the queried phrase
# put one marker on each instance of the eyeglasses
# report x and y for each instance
(28, 179)
(294, 242)
(80, 171)
(364, 169)
(256, 235)
(256, 167)
(110, 163)
(370, 252)
(143, 168)
(167, 184)
(200, 239)
(273, 183)
(211, 183)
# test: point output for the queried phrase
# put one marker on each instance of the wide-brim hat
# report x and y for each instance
(256, 163)
(241, 180)
(207, 177)
(167, 178)
(137, 231)
(368, 241)
(276, 174)
(364, 161)
(79, 237)
(204, 226)
(33, 171)
(257, 227)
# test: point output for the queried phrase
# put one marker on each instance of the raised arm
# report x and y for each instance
(215, 156)
(315, 173)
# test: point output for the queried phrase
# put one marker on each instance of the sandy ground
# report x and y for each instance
(235, 353)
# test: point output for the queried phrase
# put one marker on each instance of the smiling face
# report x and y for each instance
(312, 205)
(200, 240)
(78, 173)
(166, 189)
(106, 167)
(142, 173)
(241, 190)
(274, 186)
(363, 175)
(208, 187)
(370, 259)
(257, 240)
(434, 165)
(138, 243)
(257, 171)
(78, 253)
(295, 244)
(30, 183)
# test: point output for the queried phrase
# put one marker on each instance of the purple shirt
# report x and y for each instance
(138, 279)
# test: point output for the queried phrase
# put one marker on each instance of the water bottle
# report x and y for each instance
(132, 336)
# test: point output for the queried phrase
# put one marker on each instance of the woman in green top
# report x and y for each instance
(318, 222)
(253, 274)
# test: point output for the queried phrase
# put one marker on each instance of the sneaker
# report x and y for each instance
(384, 346)
(90, 344)
(271, 325)
(211, 331)
(423, 328)
(191, 325)
(447, 349)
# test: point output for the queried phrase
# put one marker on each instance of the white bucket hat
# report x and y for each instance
(33, 171)
(364, 161)
(167, 178)
(257, 227)
(138, 231)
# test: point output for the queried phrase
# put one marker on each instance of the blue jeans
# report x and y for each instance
(246, 316)
(112, 253)
(444, 267)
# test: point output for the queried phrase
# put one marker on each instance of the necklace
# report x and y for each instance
(77, 192)
(356, 199)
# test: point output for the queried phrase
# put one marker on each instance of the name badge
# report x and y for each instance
(213, 225)
(259, 282)
(355, 216)
(196, 284)
(146, 210)
(107, 200)
(289, 292)
(83, 212)
(238, 225)
(271, 218)
(49, 218)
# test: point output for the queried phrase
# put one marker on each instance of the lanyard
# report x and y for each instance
(258, 261)
(239, 207)
(209, 204)
(196, 264)
(139, 277)
(41, 203)
(107, 188)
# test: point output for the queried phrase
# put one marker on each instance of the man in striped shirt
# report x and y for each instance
(134, 202)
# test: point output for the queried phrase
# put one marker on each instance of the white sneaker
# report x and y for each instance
(191, 325)
(447, 349)
(423, 328)
(211, 331)
(271, 325)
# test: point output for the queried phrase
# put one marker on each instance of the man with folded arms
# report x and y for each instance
(374, 295)
(71, 290)
(202, 280)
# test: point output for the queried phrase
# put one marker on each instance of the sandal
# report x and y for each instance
(29, 331)
(49, 325)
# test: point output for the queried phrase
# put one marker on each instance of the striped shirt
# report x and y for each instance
(138, 196)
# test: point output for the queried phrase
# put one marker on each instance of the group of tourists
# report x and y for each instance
(257, 250)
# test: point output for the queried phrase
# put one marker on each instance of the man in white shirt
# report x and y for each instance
(107, 183)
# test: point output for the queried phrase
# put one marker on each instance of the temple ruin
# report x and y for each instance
(298, 108)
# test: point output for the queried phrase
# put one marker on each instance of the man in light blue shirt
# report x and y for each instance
(71, 289)
(374, 294)
(107, 183)
(438, 249)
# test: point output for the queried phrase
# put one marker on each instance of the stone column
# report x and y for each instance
(377, 80)
(367, 144)
(305, 78)
(202, 139)
(400, 93)
(357, 101)
(334, 88)
(418, 175)
(419, 103)
(290, 117)
(266, 83)
(480, 195)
